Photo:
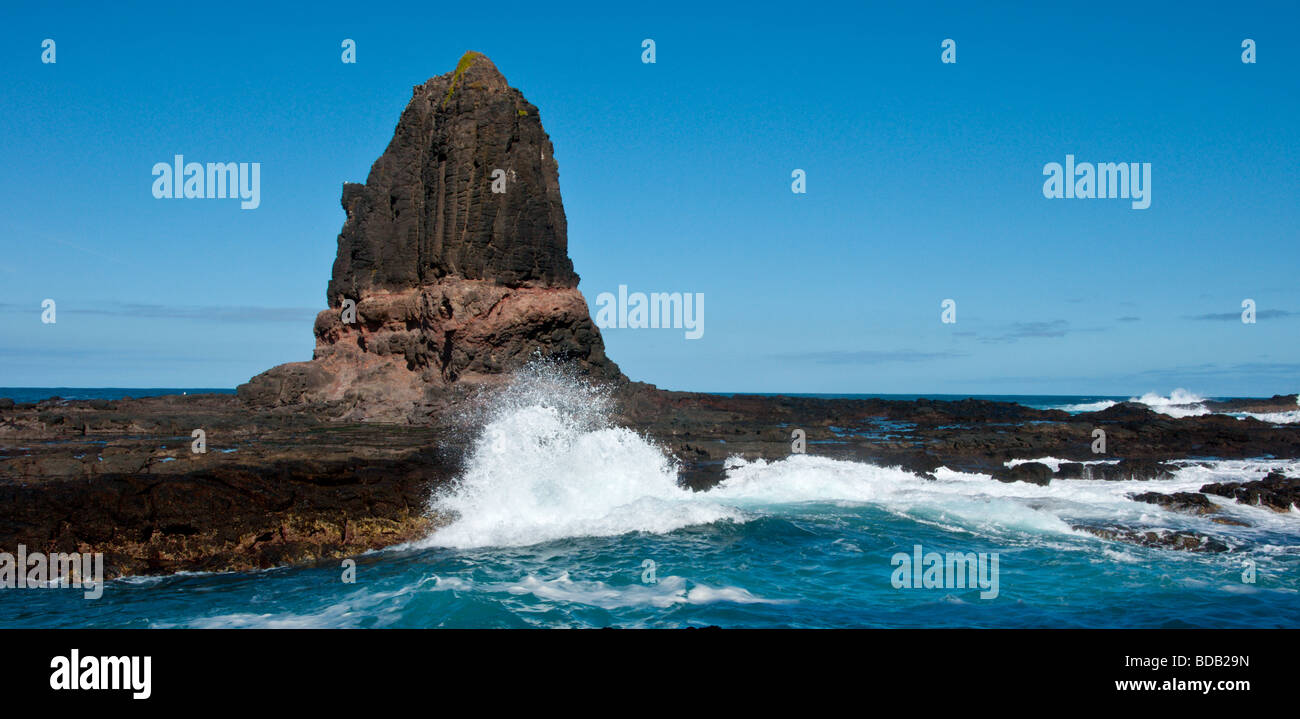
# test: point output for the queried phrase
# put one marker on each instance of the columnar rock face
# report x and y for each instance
(428, 209)
(455, 253)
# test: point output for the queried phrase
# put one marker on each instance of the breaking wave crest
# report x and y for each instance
(548, 465)
(1179, 403)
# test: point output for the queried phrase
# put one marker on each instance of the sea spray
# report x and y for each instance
(549, 464)
(1179, 403)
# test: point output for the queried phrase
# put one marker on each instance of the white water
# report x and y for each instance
(1181, 403)
(549, 466)
(665, 592)
(1054, 463)
(975, 503)
(1286, 417)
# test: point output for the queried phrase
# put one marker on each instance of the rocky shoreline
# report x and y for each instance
(122, 478)
(278, 487)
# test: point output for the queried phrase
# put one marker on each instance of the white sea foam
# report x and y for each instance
(962, 501)
(1088, 406)
(1288, 417)
(668, 591)
(354, 610)
(1284, 417)
(1179, 403)
(1054, 463)
(548, 466)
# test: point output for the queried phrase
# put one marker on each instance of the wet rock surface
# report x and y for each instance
(1275, 491)
(1163, 538)
(1031, 472)
(920, 436)
(1188, 502)
(122, 478)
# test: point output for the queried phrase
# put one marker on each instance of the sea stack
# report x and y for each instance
(455, 253)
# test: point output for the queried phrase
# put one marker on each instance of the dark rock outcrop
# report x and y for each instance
(455, 253)
(428, 209)
(1275, 491)
(1123, 470)
(1070, 470)
(1187, 502)
(272, 489)
(1276, 403)
(1126, 470)
(1031, 472)
(1163, 538)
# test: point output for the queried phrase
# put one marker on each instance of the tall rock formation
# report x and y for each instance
(455, 253)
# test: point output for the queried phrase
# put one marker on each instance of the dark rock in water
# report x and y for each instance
(1123, 412)
(1129, 469)
(1123, 470)
(1070, 470)
(702, 475)
(1276, 403)
(1229, 521)
(1275, 491)
(1164, 538)
(1188, 502)
(1032, 472)
(922, 465)
(452, 281)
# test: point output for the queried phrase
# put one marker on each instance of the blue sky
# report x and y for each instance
(924, 182)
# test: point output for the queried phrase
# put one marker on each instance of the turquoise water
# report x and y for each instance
(559, 514)
(813, 565)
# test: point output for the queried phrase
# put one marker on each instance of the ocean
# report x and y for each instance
(564, 520)
(36, 394)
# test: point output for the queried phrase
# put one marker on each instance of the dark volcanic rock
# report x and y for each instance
(1274, 491)
(1124, 470)
(1189, 502)
(1123, 412)
(1276, 403)
(1165, 538)
(1070, 470)
(428, 211)
(272, 489)
(453, 282)
(1129, 469)
(1032, 472)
